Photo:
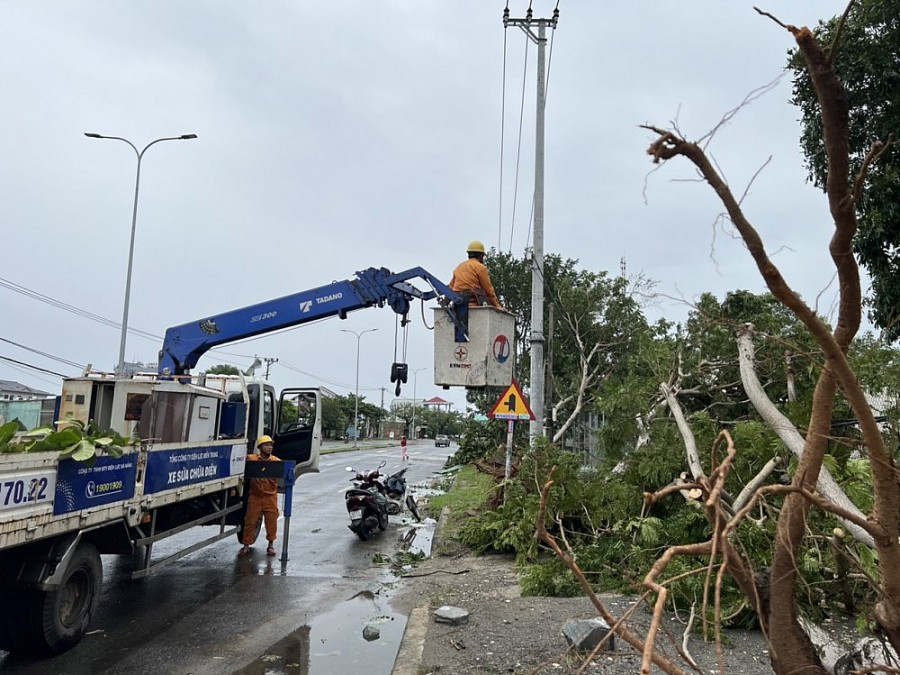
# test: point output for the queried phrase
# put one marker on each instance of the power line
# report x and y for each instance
(28, 365)
(59, 304)
(45, 354)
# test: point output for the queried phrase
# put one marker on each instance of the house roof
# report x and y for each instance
(10, 387)
(437, 400)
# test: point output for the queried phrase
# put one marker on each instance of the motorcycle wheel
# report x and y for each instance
(413, 509)
(363, 532)
(383, 521)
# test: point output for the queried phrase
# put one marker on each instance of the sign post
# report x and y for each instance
(512, 405)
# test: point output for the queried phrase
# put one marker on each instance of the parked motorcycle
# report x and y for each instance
(370, 501)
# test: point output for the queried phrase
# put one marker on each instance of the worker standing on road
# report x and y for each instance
(472, 280)
(263, 501)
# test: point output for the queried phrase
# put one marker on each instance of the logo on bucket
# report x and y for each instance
(502, 348)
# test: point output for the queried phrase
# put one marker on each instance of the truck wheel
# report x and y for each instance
(67, 611)
(52, 622)
(240, 533)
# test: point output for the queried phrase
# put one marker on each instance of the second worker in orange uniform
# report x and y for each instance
(262, 502)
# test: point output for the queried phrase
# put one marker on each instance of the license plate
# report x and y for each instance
(355, 515)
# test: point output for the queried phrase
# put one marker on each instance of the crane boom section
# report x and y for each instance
(185, 344)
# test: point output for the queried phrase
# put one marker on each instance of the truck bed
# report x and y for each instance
(43, 496)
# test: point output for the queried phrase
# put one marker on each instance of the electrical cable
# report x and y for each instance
(528, 40)
(35, 295)
(512, 227)
(502, 137)
(28, 365)
(45, 354)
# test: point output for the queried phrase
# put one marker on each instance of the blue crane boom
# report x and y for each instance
(185, 344)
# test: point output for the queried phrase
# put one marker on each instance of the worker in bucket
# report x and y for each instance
(472, 280)
(263, 501)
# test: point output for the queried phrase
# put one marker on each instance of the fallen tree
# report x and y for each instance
(773, 594)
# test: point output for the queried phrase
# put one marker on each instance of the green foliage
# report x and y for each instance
(867, 61)
(479, 440)
(550, 578)
(334, 419)
(83, 443)
(223, 369)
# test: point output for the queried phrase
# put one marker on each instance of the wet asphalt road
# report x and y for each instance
(212, 612)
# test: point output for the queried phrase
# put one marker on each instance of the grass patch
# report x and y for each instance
(468, 492)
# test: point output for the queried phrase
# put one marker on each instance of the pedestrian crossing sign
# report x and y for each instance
(512, 405)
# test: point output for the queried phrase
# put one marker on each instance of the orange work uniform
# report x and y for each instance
(263, 503)
(472, 276)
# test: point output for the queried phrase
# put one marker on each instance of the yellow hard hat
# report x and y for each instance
(264, 439)
(475, 247)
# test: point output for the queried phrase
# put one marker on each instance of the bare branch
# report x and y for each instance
(832, 49)
(622, 631)
(788, 433)
(753, 178)
(872, 156)
(687, 436)
(754, 94)
(754, 483)
(759, 11)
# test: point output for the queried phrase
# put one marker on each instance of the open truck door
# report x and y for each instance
(298, 429)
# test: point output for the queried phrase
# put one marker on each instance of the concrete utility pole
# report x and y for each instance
(536, 427)
(269, 361)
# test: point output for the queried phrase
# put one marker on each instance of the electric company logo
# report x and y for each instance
(461, 353)
(502, 349)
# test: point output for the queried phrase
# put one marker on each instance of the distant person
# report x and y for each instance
(472, 280)
(262, 502)
(404, 454)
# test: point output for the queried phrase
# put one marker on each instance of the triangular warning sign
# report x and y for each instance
(511, 405)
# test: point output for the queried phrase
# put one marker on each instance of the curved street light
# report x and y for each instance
(356, 396)
(120, 365)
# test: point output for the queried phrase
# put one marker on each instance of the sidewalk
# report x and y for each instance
(509, 633)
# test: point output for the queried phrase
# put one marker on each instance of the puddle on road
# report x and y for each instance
(334, 642)
(290, 655)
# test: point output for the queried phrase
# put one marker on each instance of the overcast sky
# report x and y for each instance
(335, 136)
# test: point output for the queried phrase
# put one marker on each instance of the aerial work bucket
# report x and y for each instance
(485, 360)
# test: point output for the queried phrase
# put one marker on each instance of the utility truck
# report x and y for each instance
(186, 465)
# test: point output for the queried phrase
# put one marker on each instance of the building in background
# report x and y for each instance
(32, 407)
(438, 404)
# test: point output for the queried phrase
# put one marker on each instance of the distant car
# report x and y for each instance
(441, 441)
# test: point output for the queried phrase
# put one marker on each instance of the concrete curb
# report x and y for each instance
(412, 644)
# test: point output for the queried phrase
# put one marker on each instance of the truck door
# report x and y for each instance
(298, 428)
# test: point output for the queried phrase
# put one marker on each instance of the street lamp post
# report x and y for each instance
(120, 366)
(356, 396)
(415, 382)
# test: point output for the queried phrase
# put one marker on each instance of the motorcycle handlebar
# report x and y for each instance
(371, 475)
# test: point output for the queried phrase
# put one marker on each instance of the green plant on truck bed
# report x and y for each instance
(83, 443)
